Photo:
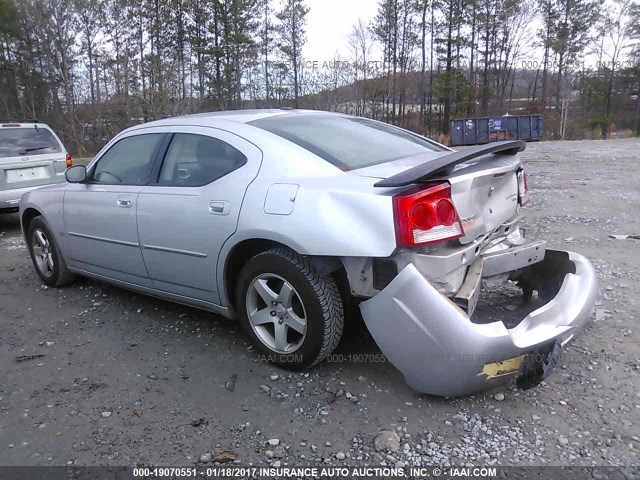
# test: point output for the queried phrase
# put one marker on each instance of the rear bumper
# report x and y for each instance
(10, 199)
(439, 349)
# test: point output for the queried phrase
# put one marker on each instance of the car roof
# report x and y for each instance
(18, 124)
(237, 116)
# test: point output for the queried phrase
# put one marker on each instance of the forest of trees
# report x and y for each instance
(92, 67)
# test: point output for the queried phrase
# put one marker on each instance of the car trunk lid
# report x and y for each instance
(484, 183)
(30, 155)
(28, 171)
(485, 196)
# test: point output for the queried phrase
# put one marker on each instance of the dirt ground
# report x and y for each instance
(124, 379)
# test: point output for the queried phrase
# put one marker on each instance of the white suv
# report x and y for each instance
(31, 155)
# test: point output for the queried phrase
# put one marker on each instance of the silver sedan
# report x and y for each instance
(285, 218)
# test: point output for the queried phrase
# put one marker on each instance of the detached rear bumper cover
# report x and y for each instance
(441, 352)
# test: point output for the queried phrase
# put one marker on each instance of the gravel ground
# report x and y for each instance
(122, 379)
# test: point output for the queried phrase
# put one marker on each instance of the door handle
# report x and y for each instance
(124, 203)
(219, 207)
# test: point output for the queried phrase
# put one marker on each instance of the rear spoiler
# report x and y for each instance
(444, 165)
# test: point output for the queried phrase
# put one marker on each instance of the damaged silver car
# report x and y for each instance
(284, 218)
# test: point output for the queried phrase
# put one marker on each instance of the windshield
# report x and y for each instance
(348, 142)
(17, 141)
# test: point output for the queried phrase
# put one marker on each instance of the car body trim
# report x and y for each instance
(74, 262)
(174, 250)
(440, 351)
(102, 239)
(161, 294)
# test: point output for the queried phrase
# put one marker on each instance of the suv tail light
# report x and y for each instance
(523, 194)
(426, 215)
(69, 161)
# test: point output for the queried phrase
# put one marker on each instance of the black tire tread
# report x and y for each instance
(328, 295)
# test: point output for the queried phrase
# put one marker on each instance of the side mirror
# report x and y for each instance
(76, 174)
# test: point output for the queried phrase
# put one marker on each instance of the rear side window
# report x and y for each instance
(196, 160)
(27, 141)
(129, 161)
(348, 143)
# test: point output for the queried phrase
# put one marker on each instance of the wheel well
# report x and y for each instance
(241, 253)
(27, 216)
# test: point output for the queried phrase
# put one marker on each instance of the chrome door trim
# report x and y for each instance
(102, 239)
(174, 250)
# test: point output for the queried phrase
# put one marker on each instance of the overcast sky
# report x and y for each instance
(329, 23)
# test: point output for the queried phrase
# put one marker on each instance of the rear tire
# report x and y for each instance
(293, 315)
(46, 256)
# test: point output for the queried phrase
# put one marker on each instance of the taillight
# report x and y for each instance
(69, 161)
(426, 215)
(523, 194)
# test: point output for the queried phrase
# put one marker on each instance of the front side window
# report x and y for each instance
(196, 160)
(129, 161)
(27, 141)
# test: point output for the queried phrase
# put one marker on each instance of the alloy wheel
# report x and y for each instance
(276, 313)
(42, 253)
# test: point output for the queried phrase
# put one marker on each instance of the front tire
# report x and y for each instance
(46, 256)
(292, 315)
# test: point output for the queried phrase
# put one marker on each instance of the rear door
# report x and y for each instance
(100, 215)
(193, 207)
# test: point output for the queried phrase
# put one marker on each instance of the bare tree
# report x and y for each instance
(571, 36)
(616, 27)
(266, 40)
(292, 37)
(360, 45)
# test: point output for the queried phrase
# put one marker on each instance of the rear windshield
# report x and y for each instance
(15, 141)
(347, 142)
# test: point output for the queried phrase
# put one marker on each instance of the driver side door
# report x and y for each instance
(100, 214)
